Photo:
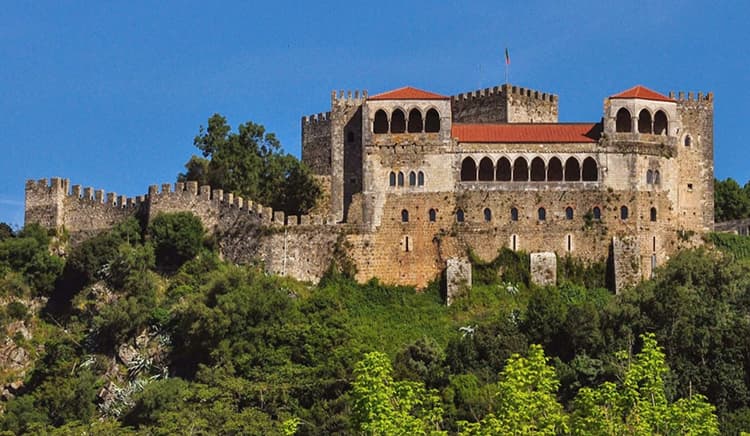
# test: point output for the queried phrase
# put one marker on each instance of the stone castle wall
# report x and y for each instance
(248, 232)
(505, 104)
(696, 161)
(316, 143)
(388, 229)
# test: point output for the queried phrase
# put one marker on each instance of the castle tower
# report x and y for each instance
(45, 202)
(695, 158)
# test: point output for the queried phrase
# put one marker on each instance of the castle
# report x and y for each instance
(416, 179)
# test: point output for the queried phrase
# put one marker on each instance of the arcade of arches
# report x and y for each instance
(399, 123)
(537, 171)
(658, 125)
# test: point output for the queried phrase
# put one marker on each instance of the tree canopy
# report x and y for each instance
(250, 163)
(731, 201)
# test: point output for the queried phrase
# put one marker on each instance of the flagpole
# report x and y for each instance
(507, 65)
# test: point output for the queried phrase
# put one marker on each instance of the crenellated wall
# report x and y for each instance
(316, 143)
(394, 200)
(504, 104)
(248, 232)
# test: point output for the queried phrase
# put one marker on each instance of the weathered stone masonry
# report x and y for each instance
(416, 179)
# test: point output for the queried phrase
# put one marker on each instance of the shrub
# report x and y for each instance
(177, 238)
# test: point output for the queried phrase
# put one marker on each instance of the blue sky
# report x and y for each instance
(111, 95)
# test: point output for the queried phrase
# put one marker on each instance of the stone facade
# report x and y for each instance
(413, 179)
(543, 268)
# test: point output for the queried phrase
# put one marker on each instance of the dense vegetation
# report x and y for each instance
(148, 329)
(251, 164)
(731, 201)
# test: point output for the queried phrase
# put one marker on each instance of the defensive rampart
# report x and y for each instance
(248, 232)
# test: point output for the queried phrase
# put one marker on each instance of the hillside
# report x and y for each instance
(148, 331)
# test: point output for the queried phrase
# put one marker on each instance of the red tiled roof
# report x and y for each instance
(539, 133)
(639, 91)
(408, 93)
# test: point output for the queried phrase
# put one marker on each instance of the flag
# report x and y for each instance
(507, 57)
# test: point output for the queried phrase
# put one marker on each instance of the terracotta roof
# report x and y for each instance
(640, 91)
(408, 93)
(536, 132)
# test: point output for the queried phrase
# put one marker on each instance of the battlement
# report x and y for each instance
(530, 93)
(189, 196)
(698, 96)
(316, 119)
(356, 96)
(62, 188)
(505, 90)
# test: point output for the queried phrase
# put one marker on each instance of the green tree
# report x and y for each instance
(6, 231)
(250, 163)
(730, 200)
(526, 399)
(177, 238)
(382, 406)
(28, 254)
(638, 405)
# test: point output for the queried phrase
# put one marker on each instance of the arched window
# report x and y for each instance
(432, 215)
(572, 170)
(404, 216)
(392, 179)
(380, 125)
(537, 170)
(644, 121)
(554, 170)
(400, 178)
(597, 213)
(460, 216)
(420, 178)
(649, 177)
(688, 141)
(432, 121)
(623, 123)
(486, 171)
(653, 214)
(568, 213)
(487, 214)
(468, 170)
(590, 171)
(503, 172)
(542, 214)
(514, 214)
(398, 121)
(412, 178)
(657, 179)
(624, 213)
(520, 170)
(415, 121)
(661, 126)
